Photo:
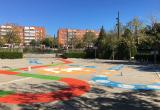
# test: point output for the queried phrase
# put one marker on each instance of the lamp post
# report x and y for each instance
(118, 25)
(95, 55)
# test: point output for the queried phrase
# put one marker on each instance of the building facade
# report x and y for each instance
(26, 33)
(65, 35)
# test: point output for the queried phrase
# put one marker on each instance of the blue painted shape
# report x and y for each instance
(118, 67)
(112, 84)
(140, 87)
(34, 61)
(158, 83)
(74, 65)
(37, 62)
(108, 83)
(90, 66)
(30, 61)
(99, 78)
(151, 87)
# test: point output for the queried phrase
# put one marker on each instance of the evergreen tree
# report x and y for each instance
(101, 41)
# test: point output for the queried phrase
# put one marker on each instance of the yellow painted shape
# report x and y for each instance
(66, 70)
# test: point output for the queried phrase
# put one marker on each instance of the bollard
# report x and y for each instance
(29, 68)
(121, 74)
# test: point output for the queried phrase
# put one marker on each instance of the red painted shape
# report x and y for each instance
(8, 72)
(65, 61)
(75, 89)
(43, 66)
(34, 67)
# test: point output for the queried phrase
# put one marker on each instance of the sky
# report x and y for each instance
(76, 14)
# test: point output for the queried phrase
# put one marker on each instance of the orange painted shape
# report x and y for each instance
(66, 70)
(8, 72)
(34, 67)
(65, 61)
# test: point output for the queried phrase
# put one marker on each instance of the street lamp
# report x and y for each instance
(95, 48)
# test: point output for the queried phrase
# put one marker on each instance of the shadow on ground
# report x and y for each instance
(4, 107)
(100, 98)
(136, 65)
(147, 68)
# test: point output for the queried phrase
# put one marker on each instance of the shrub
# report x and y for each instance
(74, 55)
(11, 55)
(122, 50)
(89, 53)
(146, 58)
(37, 50)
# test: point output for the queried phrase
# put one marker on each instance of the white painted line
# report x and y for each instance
(91, 82)
(153, 86)
(126, 86)
(158, 74)
(15, 81)
(100, 76)
(102, 81)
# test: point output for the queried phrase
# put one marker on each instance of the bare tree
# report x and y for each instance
(13, 35)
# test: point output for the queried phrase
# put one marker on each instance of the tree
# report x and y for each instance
(106, 44)
(101, 38)
(135, 25)
(48, 42)
(89, 39)
(33, 43)
(122, 49)
(77, 42)
(154, 32)
(127, 33)
(12, 36)
(55, 42)
(2, 41)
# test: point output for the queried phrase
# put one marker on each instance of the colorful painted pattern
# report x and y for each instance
(90, 66)
(66, 70)
(75, 88)
(103, 80)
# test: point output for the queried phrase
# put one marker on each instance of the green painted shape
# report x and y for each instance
(4, 93)
(17, 69)
(54, 64)
(45, 77)
(39, 76)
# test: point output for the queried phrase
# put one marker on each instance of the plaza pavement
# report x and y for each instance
(98, 98)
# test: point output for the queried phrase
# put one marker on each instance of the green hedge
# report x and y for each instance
(38, 50)
(11, 50)
(11, 55)
(74, 55)
(146, 58)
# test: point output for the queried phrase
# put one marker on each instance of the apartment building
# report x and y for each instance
(33, 33)
(26, 33)
(65, 35)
